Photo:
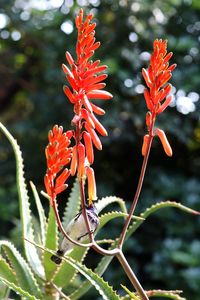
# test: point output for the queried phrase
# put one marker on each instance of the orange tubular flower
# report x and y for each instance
(58, 155)
(85, 79)
(156, 94)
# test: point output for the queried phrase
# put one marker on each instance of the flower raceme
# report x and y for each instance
(58, 155)
(85, 84)
(157, 92)
(85, 79)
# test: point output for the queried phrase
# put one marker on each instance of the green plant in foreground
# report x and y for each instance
(36, 276)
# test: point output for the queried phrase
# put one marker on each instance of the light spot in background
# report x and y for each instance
(193, 96)
(145, 56)
(39, 4)
(56, 3)
(4, 34)
(4, 20)
(123, 3)
(16, 35)
(67, 27)
(185, 104)
(69, 3)
(82, 2)
(139, 89)
(133, 37)
(194, 51)
(25, 16)
(135, 7)
(128, 83)
(159, 16)
(187, 59)
(95, 2)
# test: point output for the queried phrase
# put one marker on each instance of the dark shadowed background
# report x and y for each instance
(34, 35)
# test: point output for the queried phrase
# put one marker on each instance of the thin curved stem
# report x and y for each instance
(139, 187)
(60, 226)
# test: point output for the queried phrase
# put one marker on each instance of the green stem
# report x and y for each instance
(129, 272)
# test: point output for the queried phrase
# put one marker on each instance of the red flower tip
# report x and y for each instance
(58, 155)
(156, 77)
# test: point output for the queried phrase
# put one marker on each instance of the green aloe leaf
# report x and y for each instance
(67, 272)
(131, 294)
(86, 285)
(6, 271)
(51, 242)
(18, 289)
(73, 204)
(42, 217)
(24, 276)
(101, 286)
(175, 295)
(25, 213)
(4, 291)
(105, 218)
(154, 208)
(104, 202)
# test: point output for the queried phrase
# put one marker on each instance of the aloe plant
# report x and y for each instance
(34, 275)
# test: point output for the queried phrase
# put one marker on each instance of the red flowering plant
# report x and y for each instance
(71, 153)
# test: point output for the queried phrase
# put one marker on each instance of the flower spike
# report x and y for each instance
(58, 155)
(85, 78)
(156, 77)
(157, 92)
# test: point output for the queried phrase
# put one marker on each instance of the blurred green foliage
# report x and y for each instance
(165, 253)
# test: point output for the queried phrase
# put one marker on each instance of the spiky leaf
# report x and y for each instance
(175, 295)
(4, 291)
(6, 271)
(73, 204)
(24, 276)
(18, 289)
(25, 214)
(104, 202)
(155, 207)
(42, 217)
(66, 272)
(51, 242)
(101, 286)
(105, 218)
(131, 294)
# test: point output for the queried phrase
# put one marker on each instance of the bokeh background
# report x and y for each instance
(34, 35)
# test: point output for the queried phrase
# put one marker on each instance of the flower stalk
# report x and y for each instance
(85, 84)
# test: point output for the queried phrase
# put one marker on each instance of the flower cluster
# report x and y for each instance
(157, 94)
(86, 84)
(58, 155)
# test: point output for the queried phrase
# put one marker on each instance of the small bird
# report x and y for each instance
(77, 230)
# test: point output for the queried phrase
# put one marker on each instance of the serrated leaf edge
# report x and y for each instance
(22, 262)
(105, 201)
(23, 194)
(17, 289)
